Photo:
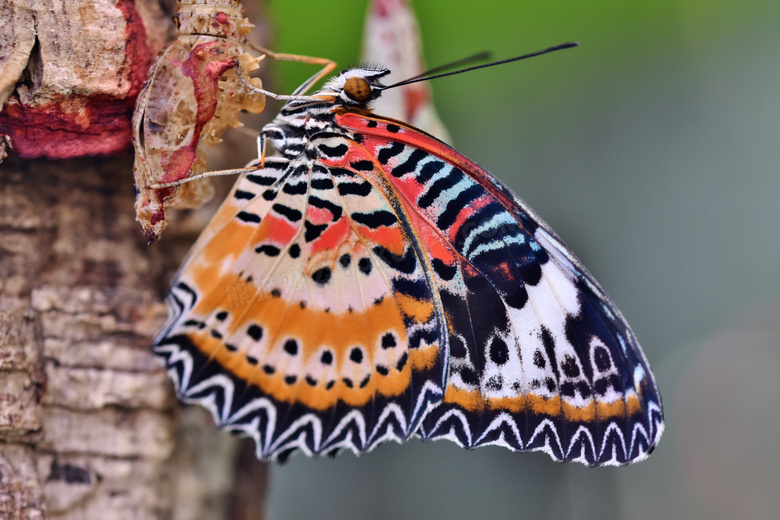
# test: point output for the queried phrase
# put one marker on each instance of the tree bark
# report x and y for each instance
(89, 425)
(87, 411)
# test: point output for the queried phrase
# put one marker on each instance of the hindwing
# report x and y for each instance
(303, 316)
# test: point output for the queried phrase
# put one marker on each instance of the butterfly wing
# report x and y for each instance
(304, 317)
(539, 357)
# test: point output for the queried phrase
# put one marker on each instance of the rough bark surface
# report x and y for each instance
(87, 412)
(89, 426)
(88, 421)
(70, 72)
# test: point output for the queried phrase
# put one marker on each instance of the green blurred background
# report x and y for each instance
(653, 149)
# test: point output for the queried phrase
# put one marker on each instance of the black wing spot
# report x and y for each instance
(405, 263)
(363, 166)
(360, 189)
(499, 352)
(322, 183)
(601, 357)
(517, 298)
(385, 154)
(494, 383)
(313, 231)
(345, 260)
(583, 389)
(402, 362)
(326, 358)
(364, 264)
(321, 276)
(268, 250)
(388, 340)
(530, 271)
(334, 209)
(248, 217)
(195, 323)
(375, 219)
(260, 180)
(438, 186)
(539, 360)
(295, 251)
(356, 355)
(411, 163)
(255, 332)
(444, 271)
(290, 380)
(268, 369)
(244, 195)
(295, 189)
(291, 214)
(333, 151)
(569, 366)
(462, 200)
(548, 342)
(469, 376)
(291, 347)
(428, 170)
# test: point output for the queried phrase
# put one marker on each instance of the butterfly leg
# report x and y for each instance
(261, 149)
(328, 65)
(215, 173)
(279, 97)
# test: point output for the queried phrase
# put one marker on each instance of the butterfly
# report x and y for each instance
(368, 283)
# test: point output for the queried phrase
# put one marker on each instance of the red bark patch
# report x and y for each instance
(77, 125)
(72, 127)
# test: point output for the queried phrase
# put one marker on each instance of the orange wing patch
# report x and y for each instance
(309, 355)
(474, 401)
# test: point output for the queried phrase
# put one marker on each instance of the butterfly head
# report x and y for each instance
(355, 88)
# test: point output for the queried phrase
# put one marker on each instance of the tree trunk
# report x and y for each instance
(89, 425)
(87, 411)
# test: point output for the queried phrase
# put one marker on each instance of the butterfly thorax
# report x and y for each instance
(301, 121)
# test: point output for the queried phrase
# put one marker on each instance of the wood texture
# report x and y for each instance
(70, 72)
(87, 413)
(89, 425)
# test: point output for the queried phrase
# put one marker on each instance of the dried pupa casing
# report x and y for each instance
(192, 95)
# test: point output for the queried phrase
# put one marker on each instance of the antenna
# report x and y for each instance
(425, 77)
(476, 57)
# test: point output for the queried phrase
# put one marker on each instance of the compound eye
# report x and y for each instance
(357, 89)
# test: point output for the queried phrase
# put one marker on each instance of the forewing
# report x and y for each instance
(303, 316)
(539, 357)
